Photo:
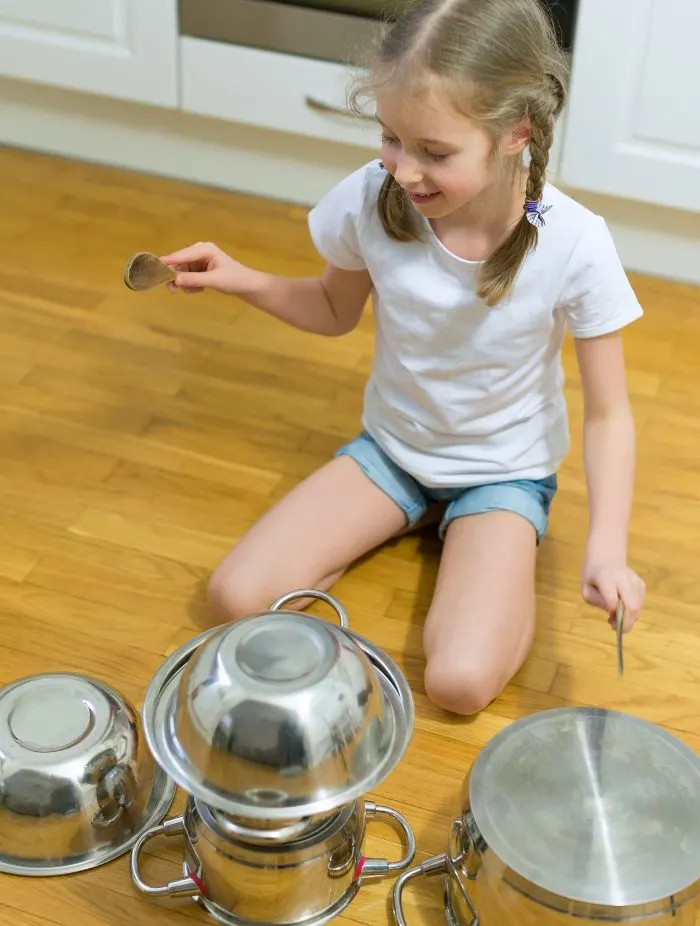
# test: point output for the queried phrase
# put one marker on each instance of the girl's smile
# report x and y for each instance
(421, 199)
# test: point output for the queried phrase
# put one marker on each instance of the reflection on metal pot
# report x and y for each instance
(279, 716)
(77, 782)
(307, 881)
(573, 816)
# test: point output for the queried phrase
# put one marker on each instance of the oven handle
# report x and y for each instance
(322, 107)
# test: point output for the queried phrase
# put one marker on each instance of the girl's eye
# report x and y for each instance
(388, 139)
(436, 157)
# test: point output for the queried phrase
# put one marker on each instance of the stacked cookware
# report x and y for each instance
(276, 727)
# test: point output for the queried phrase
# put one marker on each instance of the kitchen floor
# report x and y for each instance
(142, 434)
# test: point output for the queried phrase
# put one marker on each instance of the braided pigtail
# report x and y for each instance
(395, 211)
(501, 269)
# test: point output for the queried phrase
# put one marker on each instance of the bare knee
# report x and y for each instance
(239, 588)
(461, 687)
(233, 594)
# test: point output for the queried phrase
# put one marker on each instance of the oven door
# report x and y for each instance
(312, 30)
(329, 30)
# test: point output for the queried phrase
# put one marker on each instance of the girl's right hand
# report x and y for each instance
(204, 266)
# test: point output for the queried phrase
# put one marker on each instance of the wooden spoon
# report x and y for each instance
(145, 271)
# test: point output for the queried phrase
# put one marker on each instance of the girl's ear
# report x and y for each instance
(517, 138)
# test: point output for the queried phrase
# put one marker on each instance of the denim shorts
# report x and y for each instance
(529, 498)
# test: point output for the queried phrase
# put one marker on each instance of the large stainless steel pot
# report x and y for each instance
(308, 880)
(574, 816)
(279, 716)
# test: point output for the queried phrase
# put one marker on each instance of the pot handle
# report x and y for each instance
(438, 865)
(113, 791)
(319, 596)
(380, 867)
(183, 887)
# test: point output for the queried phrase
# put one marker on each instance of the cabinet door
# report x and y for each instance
(633, 128)
(119, 48)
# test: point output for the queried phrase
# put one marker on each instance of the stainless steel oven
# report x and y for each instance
(331, 30)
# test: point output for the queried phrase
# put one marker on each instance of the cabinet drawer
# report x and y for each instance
(273, 91)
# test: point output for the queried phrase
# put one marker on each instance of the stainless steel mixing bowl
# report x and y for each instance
(279, 716)
(78, 785)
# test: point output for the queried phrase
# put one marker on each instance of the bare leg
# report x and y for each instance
(306, 540)
(482, 619)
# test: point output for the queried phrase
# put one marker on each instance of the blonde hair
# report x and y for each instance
(500, 62)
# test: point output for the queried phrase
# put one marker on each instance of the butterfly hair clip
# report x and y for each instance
(535, 213)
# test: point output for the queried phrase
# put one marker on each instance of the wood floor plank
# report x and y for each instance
(121, 419)
(13, 371)
(147, 449)
(83, 606)
(16, 563)
(194, 548)
(64, 356)
(39, 450)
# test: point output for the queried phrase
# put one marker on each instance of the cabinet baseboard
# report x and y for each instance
(298, 170)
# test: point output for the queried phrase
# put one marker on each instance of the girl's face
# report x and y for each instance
(442, 159)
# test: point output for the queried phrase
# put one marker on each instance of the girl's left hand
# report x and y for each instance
(602, 585)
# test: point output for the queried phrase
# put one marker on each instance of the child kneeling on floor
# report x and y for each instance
(477, 267)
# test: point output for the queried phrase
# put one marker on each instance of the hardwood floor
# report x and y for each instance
(140, 435)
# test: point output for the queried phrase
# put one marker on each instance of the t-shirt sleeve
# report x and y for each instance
(598, 297)
(334, 223)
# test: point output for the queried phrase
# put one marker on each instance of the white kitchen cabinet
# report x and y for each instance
(117, 48)
(284, 93)
(633, 128)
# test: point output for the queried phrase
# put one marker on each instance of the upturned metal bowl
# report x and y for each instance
(279, 716)
(78, 785)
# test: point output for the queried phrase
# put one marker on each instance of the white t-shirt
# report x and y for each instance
(461, 393)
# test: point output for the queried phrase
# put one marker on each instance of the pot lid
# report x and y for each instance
(592, 805)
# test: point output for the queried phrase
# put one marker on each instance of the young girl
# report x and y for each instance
(477, 267)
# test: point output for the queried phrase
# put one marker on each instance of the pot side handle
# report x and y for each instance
(438, 865)
(301, 593)
(183, 887)
(380, 867)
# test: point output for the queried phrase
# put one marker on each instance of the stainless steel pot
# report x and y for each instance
(279, 716)
(574, 816)
(306, 882)
(78, 785)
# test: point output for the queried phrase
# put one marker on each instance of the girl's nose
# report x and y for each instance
(407, 172)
